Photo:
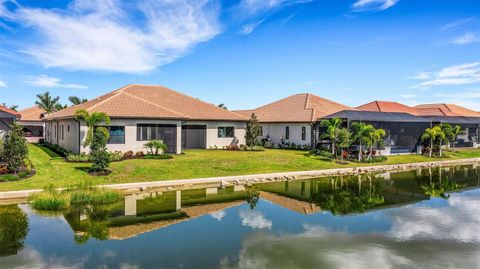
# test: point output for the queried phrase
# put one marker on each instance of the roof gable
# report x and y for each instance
(33, 113)
(9, 111)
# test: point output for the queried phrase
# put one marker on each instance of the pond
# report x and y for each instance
(418, 219)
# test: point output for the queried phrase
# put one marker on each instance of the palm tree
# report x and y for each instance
(343, 140)
(77, 100)
(12, 107)
(47, 102)
(91, 120)
(332, 127)
(431, 134)
(375, 136)
(360, 133)
(222, 105)
(456, 131)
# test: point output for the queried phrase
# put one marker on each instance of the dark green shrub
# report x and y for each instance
(323, 153)
(253, 131)
(161, 156)
(156, 146)
(15, 149)
(99, 155)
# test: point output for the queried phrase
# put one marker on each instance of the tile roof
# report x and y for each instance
(150, 101)
(9, 111)
(303, 107)
(386, 106)
(33, 113)
(445, 110)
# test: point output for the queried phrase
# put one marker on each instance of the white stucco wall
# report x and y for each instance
(4, 125)
(70, 140)
(212, 133)
(276, 132)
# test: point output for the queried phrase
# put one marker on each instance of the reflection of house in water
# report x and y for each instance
(299, 206)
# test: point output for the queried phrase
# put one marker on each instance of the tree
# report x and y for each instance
(360, 135)
(77, 100)
(59, 107)
(456, 131)
(253, 131)
(343, 140)
(47, 102)
(13, 229)
(222, 105)
(156, 146)
(332, 126)
(91, 119)
(12, 107)
(15, 149)
(98, 150)
(375, 136)
(431, 134)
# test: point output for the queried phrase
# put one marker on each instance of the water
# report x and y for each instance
(417, 219)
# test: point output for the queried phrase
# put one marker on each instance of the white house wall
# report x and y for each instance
(212, 133)
(276, 132)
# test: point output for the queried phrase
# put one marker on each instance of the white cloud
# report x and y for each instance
(373, 5)
(250, 27)
(219, 215)
(52, 82)
(469, 99)
(453, 75)
(466, 39)
(254, 219)
(3, 84)
(455, 24)
(100, 35)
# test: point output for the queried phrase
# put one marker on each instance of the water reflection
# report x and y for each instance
(423, 218)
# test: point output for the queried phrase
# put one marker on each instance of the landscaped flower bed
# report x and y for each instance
(116, 156)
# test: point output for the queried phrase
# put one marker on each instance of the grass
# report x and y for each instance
(52, 169)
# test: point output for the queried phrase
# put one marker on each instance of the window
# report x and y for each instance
(147, 132)
(63, 133)
(117, 135)
(68, 128)
(287, 132)
(304, 133)
(224, 132)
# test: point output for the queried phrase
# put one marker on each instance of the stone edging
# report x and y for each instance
(259, 178)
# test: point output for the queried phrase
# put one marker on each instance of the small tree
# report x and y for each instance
(156, 146)
(375, 135)
(456, 131)
(15, 149)
(360, 136)
(431, 134)
(253, 131)
(91, 120)
(98, 150)
(343, 140)
(332, 126)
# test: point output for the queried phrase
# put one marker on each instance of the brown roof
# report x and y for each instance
(9, 111)
(386, 106)
(445, 110)
(150, 101)
(303, 107)
(33, 113)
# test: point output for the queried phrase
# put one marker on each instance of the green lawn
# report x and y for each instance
(193, 164)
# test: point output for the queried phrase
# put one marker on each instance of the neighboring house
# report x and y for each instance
(140, 113)
(7, 117)
(292, 119)
(31, 120)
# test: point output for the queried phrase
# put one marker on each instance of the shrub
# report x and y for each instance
(15, 149)
(156, 146)
(1, 149)
(232, 147)
(3, 169)
(253, 131)
(78, 158)
(139, 154)
(251, 148)
(100, 157)
(56, 149)
(116, 156)
(49, 199)
(97, 196)
(323, 153)
(128, 155)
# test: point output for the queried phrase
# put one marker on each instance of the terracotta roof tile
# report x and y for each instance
(304, 107)
(445, 110)
(33, 113)
(9, 111)
(150, 101)
(386, 106)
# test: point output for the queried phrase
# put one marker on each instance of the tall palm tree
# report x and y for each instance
(91, 120)
(360, 133)
(456, 131)
(343, 140)
(431, 134)
(375, 136)
(77, 100)
(47, 102)
(332, 129)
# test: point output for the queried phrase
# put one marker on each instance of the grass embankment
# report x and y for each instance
(52, 169)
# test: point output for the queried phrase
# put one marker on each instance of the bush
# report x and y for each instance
(156, 146)
(100, 157)
(94, 196)
(15, 149)
(232, 147)
(56, 149)
(78, 158)
(160, 156)
(251, 148)
(323, 153)
(139, 154)
(49, 199)
(376, 159)
(116, 156)
(128, 155)
(1, 149)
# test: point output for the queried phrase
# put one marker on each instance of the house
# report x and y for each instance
(140, 113)
(7, 117)
(292, 120)
(31, 120)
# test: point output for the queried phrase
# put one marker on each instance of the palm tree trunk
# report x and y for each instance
(360, 152)
(440, 148)
(431, 148)
(333, 148)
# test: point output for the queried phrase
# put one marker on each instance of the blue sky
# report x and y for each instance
(244, 53)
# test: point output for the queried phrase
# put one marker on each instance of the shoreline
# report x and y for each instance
(256, 178)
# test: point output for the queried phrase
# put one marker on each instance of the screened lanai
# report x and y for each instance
(470, 125)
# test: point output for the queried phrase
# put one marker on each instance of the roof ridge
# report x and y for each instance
(311, 108)
(115, 94)
(378, 106)
(329, 100)
(157, 105)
